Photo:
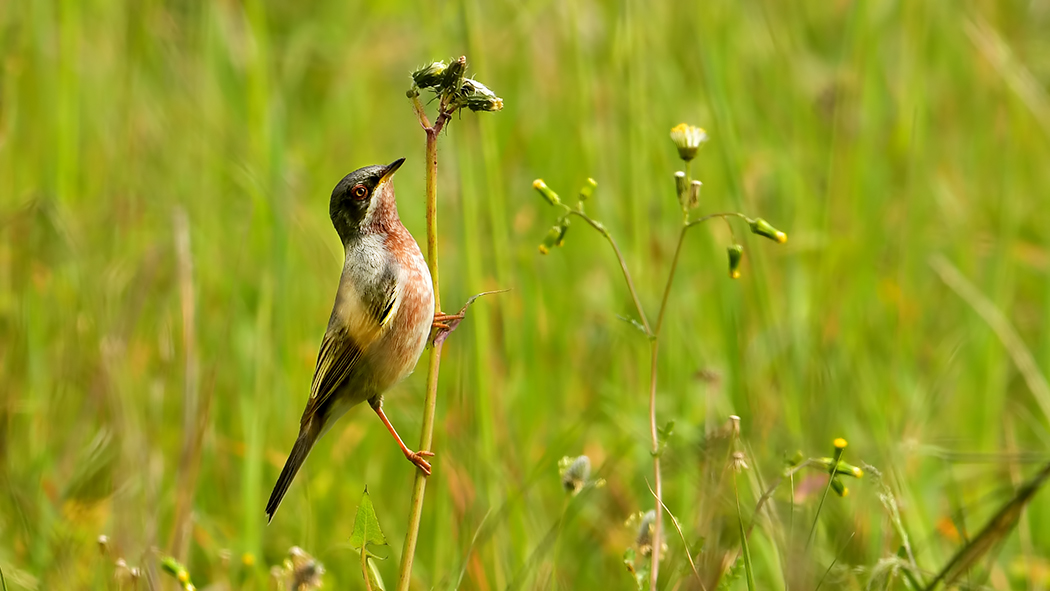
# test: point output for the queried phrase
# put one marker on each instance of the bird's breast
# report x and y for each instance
(404, 336)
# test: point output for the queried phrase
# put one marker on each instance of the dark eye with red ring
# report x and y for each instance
(359, 191)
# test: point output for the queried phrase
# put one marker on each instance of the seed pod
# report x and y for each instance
(546, 191)
(763, 228)
(736, 254)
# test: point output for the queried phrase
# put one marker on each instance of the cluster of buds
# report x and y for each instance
(449, 83)
(556, 235)
(687, 139)
(833, 466)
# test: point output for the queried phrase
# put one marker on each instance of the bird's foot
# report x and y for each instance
(441, 321)
(417, 458)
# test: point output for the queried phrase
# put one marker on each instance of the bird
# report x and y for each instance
(381, 320)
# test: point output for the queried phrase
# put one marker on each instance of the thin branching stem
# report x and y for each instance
(654, 354)
(619, 257)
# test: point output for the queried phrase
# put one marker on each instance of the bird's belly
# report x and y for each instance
(401, 344)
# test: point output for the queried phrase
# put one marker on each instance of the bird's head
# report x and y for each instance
(363, 202)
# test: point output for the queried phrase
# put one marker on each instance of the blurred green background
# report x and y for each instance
(167, 268)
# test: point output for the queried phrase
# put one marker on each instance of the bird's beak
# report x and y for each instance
(391, 169)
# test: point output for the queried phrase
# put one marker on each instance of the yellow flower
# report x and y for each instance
(688, 139)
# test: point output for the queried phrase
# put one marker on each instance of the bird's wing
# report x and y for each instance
(344, 342)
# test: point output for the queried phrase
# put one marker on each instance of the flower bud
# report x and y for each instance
(694, 194)
(763, 228)
(430, 76)
(546, 191)
(681, 186)
(587, 190)
(477, 97)
(551, 239)
(839, 488)
(453, 75)
(687, 138)
(561, 235)
(736, 254)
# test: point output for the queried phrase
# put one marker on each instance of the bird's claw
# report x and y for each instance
(417, 458)
(441, 321)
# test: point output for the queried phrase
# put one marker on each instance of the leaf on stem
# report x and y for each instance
(366, 526)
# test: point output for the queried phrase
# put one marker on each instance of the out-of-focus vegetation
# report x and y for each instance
(167, 267)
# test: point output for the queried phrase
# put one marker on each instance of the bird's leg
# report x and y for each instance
(416, 457)
(441, 319)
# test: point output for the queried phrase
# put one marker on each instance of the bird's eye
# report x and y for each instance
(359, 191)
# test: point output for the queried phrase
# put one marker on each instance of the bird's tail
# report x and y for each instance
(303, 444)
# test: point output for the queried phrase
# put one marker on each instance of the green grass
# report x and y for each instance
(877, 134)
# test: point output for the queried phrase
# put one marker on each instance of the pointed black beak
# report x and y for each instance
(391, 168)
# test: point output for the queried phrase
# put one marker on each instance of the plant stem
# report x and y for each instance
(623, 264)
(426, 437)
(654, 353)
(657, 485)
(654, 347)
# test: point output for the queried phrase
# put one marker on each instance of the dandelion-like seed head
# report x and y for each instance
(576, 473)
(688, 139)
(302, 571)
(739, 461)
(644, 537)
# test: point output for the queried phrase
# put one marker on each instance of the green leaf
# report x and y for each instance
(666, 431)
(366, 525)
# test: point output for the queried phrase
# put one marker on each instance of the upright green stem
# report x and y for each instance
(426, 437)
(654, 347)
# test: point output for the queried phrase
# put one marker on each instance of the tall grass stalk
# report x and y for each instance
(426, 437)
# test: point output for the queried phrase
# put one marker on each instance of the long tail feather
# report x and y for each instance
(303, 444)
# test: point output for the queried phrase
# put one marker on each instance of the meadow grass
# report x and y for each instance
(877, 134)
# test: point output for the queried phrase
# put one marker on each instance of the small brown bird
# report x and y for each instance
(380, 322)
